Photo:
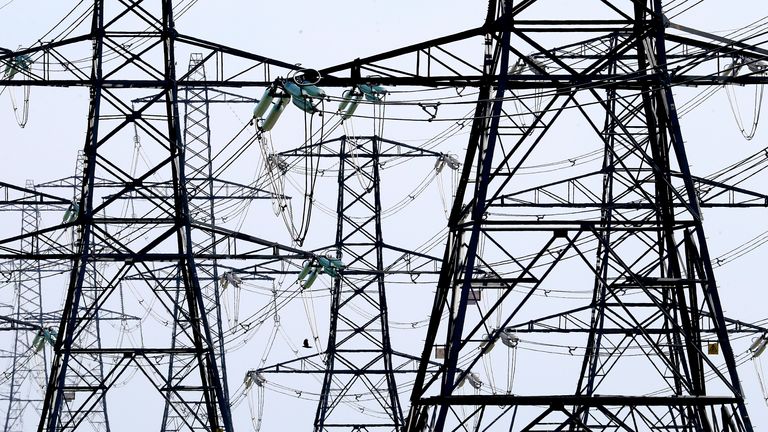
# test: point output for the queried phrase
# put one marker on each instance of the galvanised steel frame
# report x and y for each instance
(197, 146)
(29, 364)
(91, 367)
(23, 394)
(648, 231)
(126, 248)
(652, 280)
(20, 393)
(359, 358)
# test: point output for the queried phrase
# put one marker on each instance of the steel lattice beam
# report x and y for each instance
(359, 358)
(647, 242)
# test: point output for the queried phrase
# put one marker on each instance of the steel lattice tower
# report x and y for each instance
(358, 351)
(200, 189)
(154, 247)
(202, 387)
(24, 393)
(359, 354)
(30, 324)
(644, 237)
(37, 322)
(92, 367)
(359, 358)
(648, 239)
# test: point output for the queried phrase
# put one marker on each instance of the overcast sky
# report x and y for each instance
(318, 34)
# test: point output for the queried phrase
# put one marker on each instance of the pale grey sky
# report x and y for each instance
(318, 34)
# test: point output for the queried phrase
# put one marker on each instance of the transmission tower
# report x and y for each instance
(97, 419)
(199, 184)
(359, 358)
(653, 288)
(28, 363)
(107, 241)
(628, 228)
(23, 382)
(25, 364)
(33, 325)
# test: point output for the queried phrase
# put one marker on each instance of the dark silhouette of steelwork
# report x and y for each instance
(33, 338)
(197, 148)
(653, 288)
(627, 229)
(359, 358)
(23, 382)
(106, 240)
(26, 372)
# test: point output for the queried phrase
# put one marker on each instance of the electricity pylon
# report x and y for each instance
(35, 328)
(641, 230)
(29, 361)
(197, 139)
(23, 383)
(636, 241)
(163, 230)
(358, 360)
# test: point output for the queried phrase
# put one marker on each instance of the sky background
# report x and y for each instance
(318, 34)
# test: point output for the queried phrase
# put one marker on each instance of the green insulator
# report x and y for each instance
(331, 266)
(365, 88)
(304, 104)
(264, 103)
(274, 114)
(305, 270)
(311, 279)
(306, 90)
(71, 214)
(10, 71)
(312, 90)
(50, 336)
(19, 63)
(24, 62)
(38, 342)
(352, 106)
(373, 93)
(292, 88)
(346, 98)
